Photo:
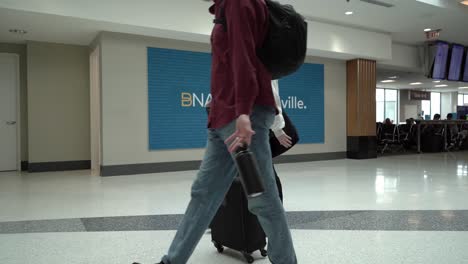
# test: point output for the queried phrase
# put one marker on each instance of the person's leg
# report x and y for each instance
(278, 184)
(268, 207)
(214, 178)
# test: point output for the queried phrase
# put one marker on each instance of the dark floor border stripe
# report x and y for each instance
(24, 165)
(309, 157)
(144, 168)
(423, 220)
(59, 166)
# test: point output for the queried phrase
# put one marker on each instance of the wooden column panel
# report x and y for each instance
(361, 131)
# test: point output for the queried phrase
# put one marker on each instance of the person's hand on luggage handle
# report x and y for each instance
(242, 135)
(284, 140)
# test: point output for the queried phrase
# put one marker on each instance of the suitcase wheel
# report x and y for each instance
(218, 246)
(248, 257)
(263, 252)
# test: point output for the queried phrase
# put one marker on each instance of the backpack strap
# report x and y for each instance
(221, 20)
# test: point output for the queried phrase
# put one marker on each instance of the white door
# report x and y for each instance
(8, 112)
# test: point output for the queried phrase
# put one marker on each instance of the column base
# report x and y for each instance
(362, 147)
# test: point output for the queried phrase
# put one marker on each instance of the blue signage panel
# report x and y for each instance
(302, 98)
(178, 89)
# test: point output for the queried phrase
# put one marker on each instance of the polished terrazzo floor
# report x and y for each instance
(397, 209)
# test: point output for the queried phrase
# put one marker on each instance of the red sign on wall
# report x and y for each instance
(419, 95)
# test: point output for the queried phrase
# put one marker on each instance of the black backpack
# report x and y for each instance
(285, 46)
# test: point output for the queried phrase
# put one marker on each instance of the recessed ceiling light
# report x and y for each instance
(416, 83)
(387, 81)
(348, 13)
(436, 81)
(393, 77)
(427, 29)
(464, 87)
(18, 31)
(441, 85)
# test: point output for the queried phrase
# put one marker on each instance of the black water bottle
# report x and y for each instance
(248, 172)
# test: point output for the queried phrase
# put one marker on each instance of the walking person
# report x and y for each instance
(242, 112)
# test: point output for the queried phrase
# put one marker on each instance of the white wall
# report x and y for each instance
(334, 41)
(58, 102)
(404, 58)
(405, 102)
(95, 109)
(125, 103)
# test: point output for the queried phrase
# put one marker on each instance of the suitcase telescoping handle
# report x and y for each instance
(249, 173)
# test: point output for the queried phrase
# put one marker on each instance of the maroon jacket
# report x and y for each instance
(238, 79)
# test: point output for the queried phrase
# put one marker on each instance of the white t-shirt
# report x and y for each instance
(279, 123)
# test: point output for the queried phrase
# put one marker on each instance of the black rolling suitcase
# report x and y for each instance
(235, 227)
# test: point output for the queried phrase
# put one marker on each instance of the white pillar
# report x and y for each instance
(448, 103)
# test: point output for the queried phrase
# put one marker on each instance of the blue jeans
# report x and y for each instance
(214, 178)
